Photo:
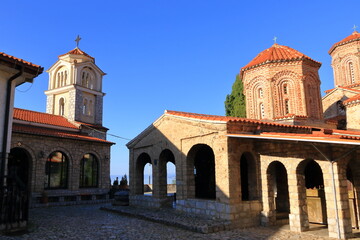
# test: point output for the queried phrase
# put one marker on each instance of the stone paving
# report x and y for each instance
(89, 222)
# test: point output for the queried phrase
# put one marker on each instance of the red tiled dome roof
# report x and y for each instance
(77, 51)
(355, 36)
(277, 53)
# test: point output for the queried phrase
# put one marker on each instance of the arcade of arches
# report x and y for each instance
(248, 179)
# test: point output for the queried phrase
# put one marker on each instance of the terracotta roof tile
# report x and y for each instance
(355, 36)
(44, 118)
(54, 133)
(349, 87)
(277, 53)
(19, 60)
(77, 51)
(353, 99)
(229, 119)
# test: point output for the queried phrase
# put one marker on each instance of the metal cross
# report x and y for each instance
(355, 27)
(77, 40)
(275, 38)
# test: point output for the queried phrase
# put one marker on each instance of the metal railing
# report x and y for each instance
(14, 204)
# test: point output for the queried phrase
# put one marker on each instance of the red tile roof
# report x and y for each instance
(277, 53)
(77, 51)
(355, 36)
(44, 118)
(353, 99)
(228, 119)
(19, 60)
(19, 128)
(346, 88)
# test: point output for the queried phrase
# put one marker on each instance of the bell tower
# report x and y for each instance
(75, 88)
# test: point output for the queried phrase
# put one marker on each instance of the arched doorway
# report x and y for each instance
(279, 191)
(249, 190)
(353, 184)
(19, 165)
(141, 161)
(201, 161)
(167, 173)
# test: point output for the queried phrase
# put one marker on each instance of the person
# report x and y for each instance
(116, 182)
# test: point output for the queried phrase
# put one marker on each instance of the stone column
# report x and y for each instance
(340, 223)
(298, 217)
(268, 214)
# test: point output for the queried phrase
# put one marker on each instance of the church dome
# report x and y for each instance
(277, 53)
(355, 36)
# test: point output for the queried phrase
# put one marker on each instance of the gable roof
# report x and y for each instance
(77, 51)
(355, 36)
(277, 53)
(352, 100)
(225, 119)
(43, 118)
(331, 91)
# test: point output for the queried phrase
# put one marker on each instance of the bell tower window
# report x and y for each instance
(85, 107)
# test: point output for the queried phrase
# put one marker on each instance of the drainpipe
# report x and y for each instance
(6, 122)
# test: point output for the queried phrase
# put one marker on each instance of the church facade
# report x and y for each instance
(290, 162)
(62, 156)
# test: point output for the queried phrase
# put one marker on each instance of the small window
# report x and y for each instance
(285, 89)
(89, 171)
(261, 93)
(85, 107)
(262, 111)
(351, 69)
(56, 169)
(287, 109)
(61, 106)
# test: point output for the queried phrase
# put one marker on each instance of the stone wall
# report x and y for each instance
(40, 147)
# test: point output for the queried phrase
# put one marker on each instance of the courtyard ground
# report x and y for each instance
(89, 222)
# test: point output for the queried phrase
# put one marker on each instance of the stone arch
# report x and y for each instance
(311, 193)
(352, 169)
(88, 78)
(311, 84)
(252, 97)
(61, 77)
(248, 177)
(278, 191)
(201, 172)
(140, 163)
(290, 81)
(166, 156)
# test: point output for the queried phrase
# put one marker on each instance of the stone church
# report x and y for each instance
(62, 155)
(294, 160)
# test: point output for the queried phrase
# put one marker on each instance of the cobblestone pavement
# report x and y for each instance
(89, 222)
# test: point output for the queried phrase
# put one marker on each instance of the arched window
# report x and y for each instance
(87, 78)
(261, 93)
(89, 171)
(262, 111)
(61, 77)
(287, 108)
(56, 171)
(61, 106)
(351, 72)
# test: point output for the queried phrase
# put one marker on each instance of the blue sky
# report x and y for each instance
(175, 55)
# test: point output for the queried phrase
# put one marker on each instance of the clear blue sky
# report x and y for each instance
(176, 55)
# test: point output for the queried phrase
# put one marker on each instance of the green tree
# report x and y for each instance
(235, 102)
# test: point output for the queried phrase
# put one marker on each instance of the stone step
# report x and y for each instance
(174, 218)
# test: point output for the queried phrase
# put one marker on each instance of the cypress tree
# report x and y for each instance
(235, 102)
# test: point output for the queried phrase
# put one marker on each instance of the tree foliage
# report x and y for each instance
(235, 102)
